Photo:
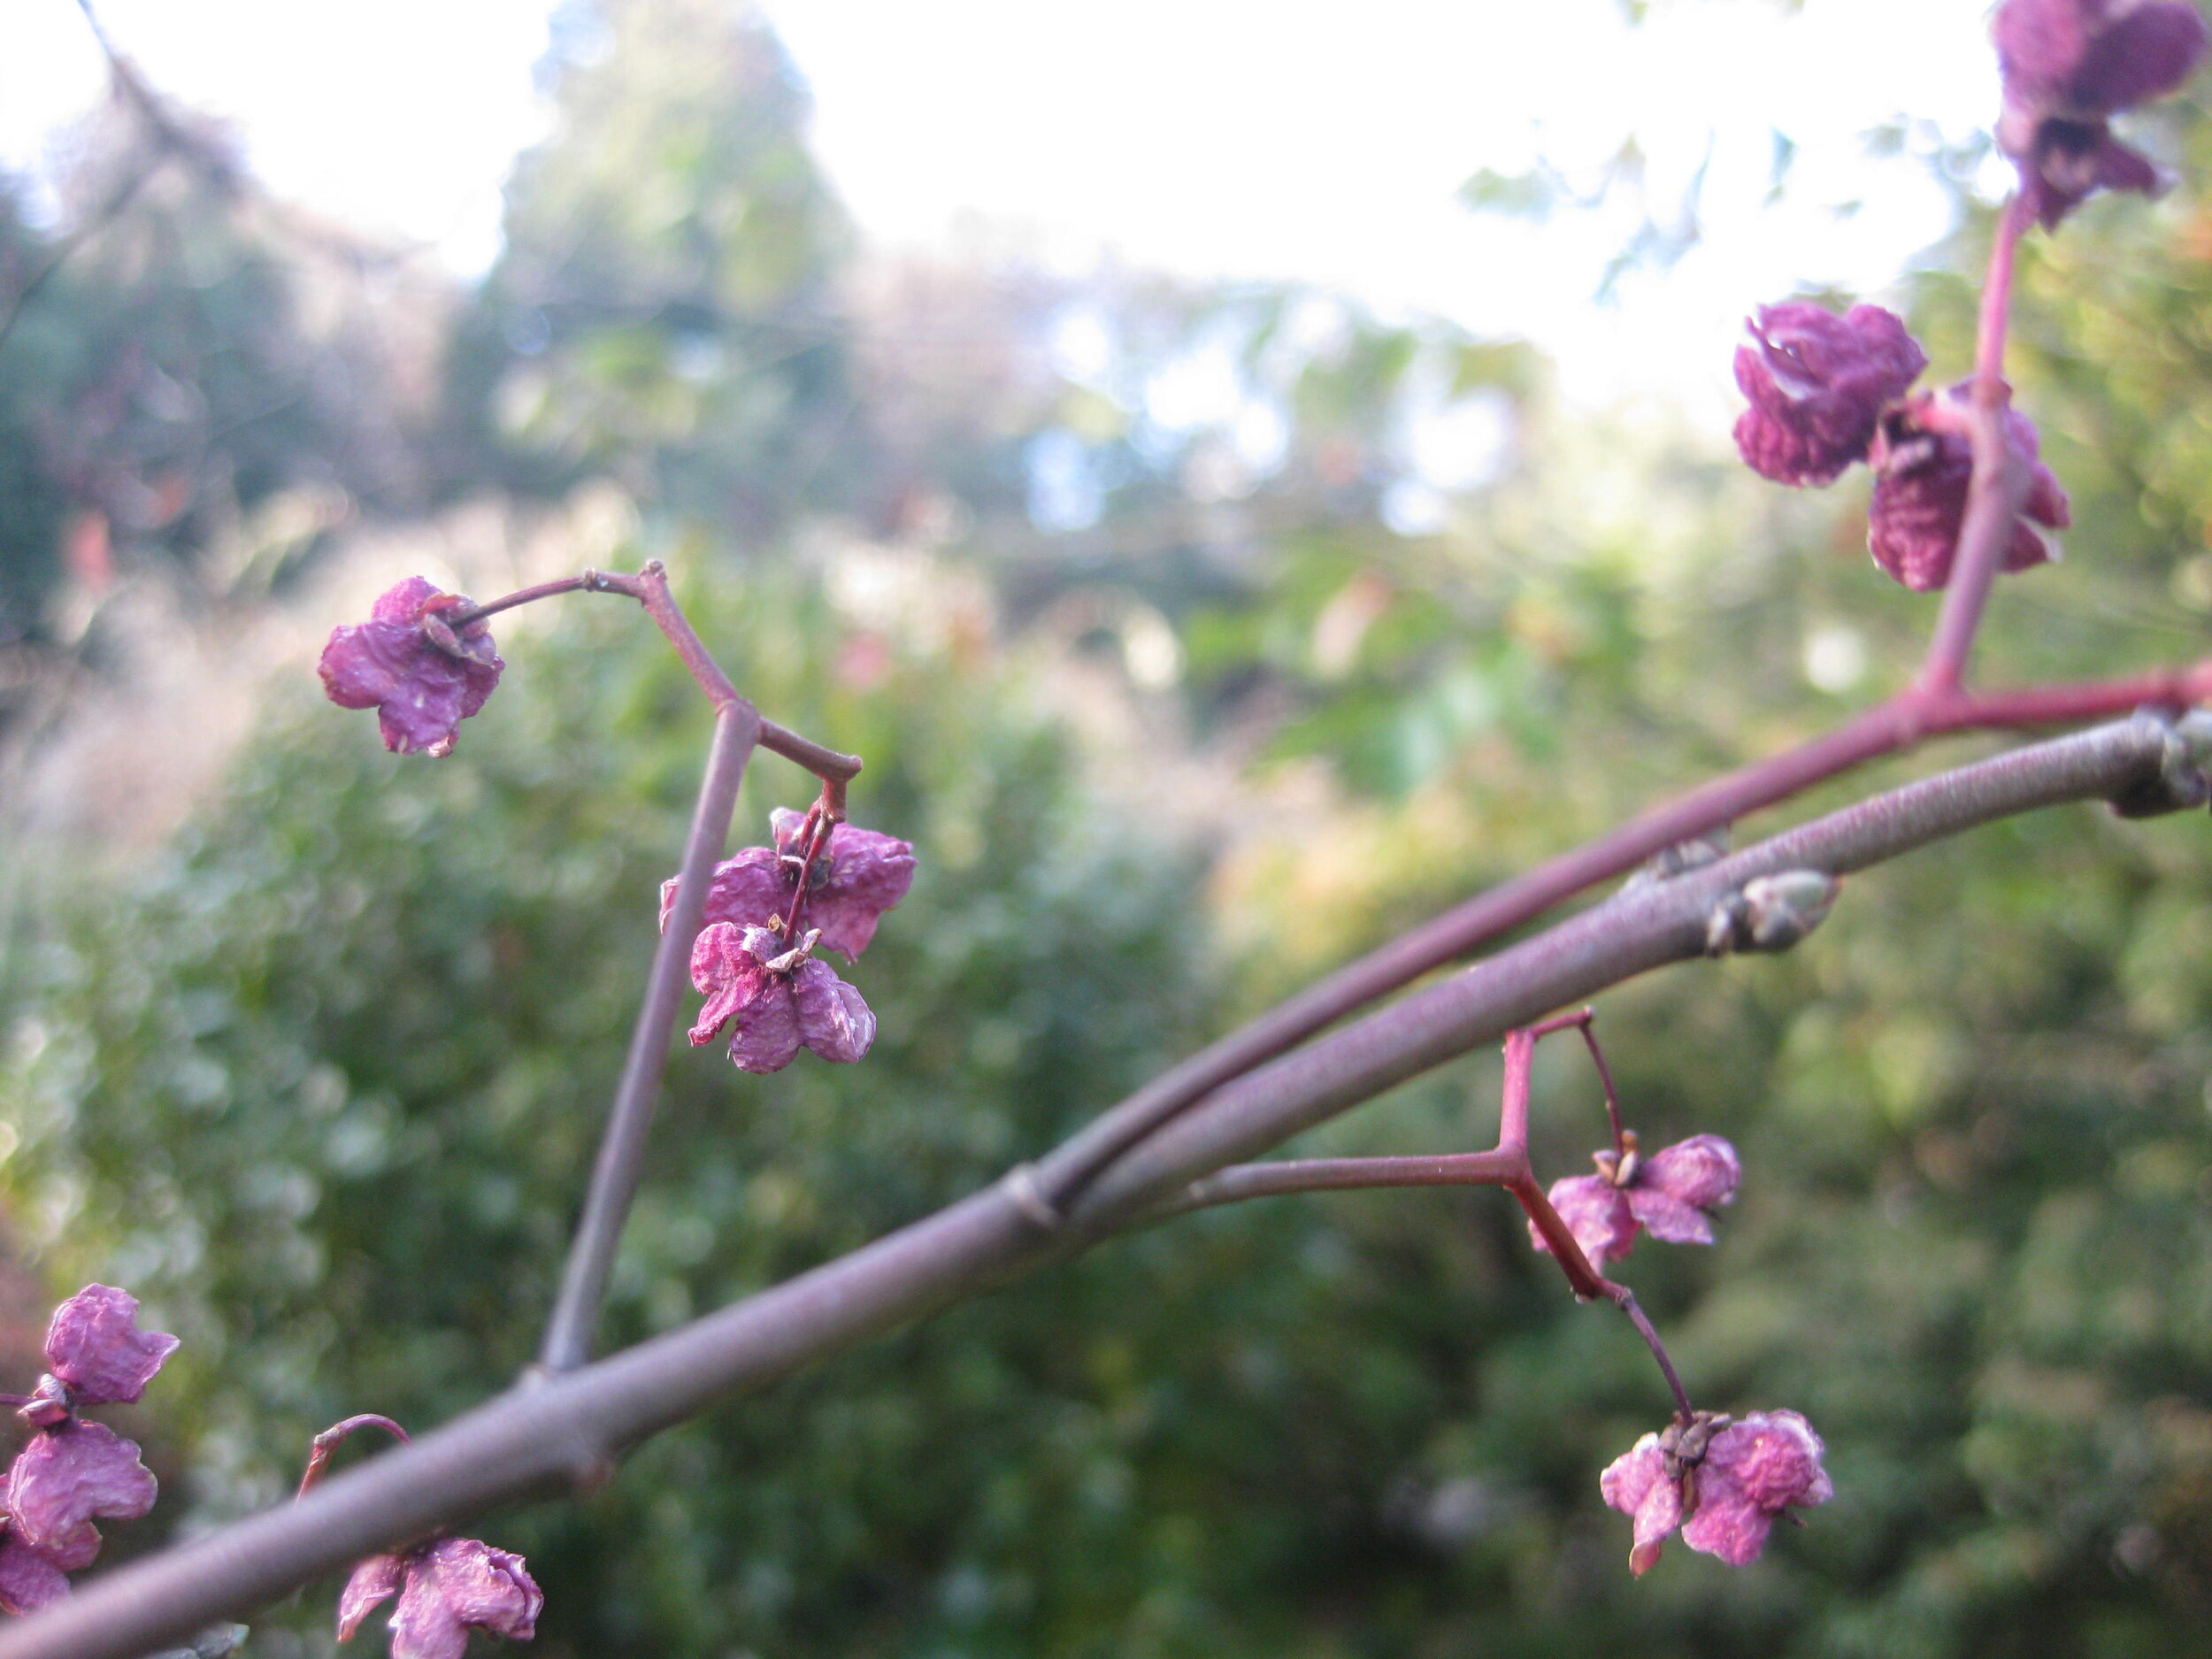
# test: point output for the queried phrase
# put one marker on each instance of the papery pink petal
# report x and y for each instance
(1817, 382)
(1636, 1484)
(64, 1477)
(867, 873)
(1725, 1525)
(1669, 1220)
(419, 691)
(729, 973)
(1596, 1213)
(72, 1554)
(833, 1020)
(1702, 1171)
(29, 1581)
(375, 1580)
(766, 1038)
(423, 1628)
(94, 1345)
(749, 887)
(1630, 1476)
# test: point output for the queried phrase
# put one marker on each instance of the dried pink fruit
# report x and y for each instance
(1720, 1480)
(1817, 382)
(69, 1474)
(1667, 1194)
(95, 1347)
(2068, 66)
(778, 996)
(446, 1589)
(857, 875)
(421, 675)
(1924, 461)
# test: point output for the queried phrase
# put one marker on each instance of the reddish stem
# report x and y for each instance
(1583, 1022)
(814, 834)
(1612, 1098)
(649, 587)
(337, 1434)
(1998, 484)
(1505, 1165)
(1624, 1299)
(589, 582)
(1586, 1282)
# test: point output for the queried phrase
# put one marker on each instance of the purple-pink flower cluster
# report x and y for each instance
(1666, 1195)
(73, 1471)
(2069, 67)
(768, 910)
(1720, 1480)
(421, 675)
(1826, 391)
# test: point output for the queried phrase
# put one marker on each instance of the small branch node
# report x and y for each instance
(217, 1641)
(1679, 859)
(1022, 1191)
(2183, 779)
(1770, 913)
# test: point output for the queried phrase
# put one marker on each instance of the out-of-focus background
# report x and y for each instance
(1244, 478)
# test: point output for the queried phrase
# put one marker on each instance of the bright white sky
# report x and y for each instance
(1249, 138)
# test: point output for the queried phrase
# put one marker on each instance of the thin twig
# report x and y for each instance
(530, 1437)
(614, 1177)
(1624, 1299)
(1241, 1181)
(649, 587)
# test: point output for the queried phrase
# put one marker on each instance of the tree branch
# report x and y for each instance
(567, 1426)
(1889, 728)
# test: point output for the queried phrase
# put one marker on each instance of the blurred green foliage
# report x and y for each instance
(322, 1082)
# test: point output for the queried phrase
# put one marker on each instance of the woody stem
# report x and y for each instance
(614, 1177)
